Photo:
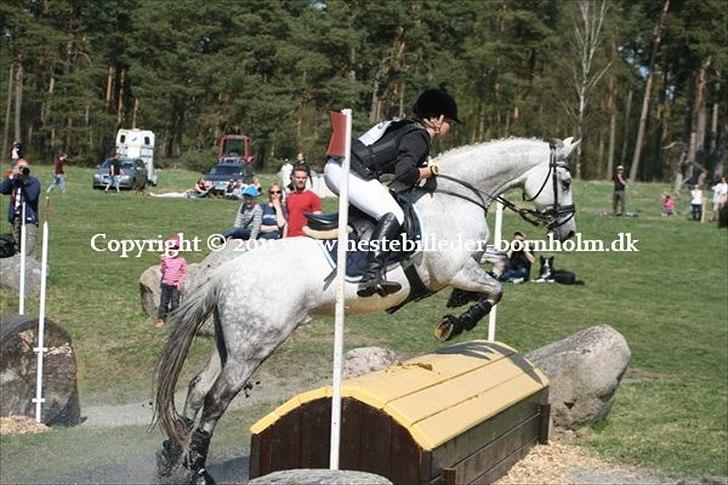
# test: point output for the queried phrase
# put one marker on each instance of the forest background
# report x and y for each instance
(641, 83)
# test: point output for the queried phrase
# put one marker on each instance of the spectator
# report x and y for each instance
(15, 153)
(300, 201)
(697, 203)
(59, 172)
(668, 206)
(720, 197)
(230, 190)
(256, 184)
(619, 196)
(24, 189)
(273, 225)
(520, 259)
(174, 271)
(248, 219)
(201, 189)
(285, 174)
(114, 173)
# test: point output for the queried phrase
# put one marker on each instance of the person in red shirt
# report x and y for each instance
(300, 201)
(59, 172)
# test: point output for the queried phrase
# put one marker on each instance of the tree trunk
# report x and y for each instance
(656, 36)
(134, 115)
(8, 108)
(600, 154)
(120, 105)
(612, 107)
(18, 98)
(109, 85)
(697, 130)
(625, 134)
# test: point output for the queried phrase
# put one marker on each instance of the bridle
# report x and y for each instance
(549, 218)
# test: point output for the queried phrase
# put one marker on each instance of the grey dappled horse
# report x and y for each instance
(253, 317)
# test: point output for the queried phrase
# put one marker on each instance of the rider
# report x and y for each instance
(401, 148)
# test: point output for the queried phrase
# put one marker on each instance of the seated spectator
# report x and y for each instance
(668, 206)
(256, 184)
(248, 219)
(520, 259)
(200, 190)
(228, 194)
(239, 188)
(274, 215)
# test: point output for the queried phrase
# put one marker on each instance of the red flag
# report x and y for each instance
(337, 143)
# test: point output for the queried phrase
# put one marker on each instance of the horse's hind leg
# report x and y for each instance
(228, 384)
(199, 386)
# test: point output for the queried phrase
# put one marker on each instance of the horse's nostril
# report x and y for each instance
(570, 235)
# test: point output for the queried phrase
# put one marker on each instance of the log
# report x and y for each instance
(18, 363)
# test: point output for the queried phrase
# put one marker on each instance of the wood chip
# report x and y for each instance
(21, 425)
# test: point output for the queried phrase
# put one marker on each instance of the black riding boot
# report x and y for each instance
(374, 279)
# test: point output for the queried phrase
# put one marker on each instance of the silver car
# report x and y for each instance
(133, 174)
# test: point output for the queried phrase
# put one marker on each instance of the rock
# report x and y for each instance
(10, 274)
(149, 289)
(368, 359)
(18, 364)
(585, 370)
(311, 477)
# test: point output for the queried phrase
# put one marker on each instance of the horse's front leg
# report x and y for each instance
(473, 283)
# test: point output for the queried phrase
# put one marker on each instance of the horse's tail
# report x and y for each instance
(188, 318)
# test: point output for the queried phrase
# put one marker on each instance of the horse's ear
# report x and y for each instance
(542, 260)
(570, 145)
(551, 260)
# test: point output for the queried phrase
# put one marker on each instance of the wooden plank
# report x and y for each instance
(544, 411)
(286, 442)
(352, 423)
(254, 463)
(315, 433)
(484, 433)
(450, 423)
(502, 467)
(434, 399)
(406, 454)
(376, 442)
(497, 451)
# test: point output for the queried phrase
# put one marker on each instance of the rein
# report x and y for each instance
(548, 218)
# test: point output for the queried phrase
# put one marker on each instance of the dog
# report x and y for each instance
(547, 274)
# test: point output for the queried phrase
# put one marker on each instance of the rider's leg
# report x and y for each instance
(374, 199)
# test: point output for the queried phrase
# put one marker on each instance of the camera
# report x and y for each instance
(25, 171)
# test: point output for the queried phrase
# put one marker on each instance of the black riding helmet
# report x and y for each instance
(436, 102)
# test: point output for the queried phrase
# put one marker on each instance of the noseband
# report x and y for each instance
(548, 218)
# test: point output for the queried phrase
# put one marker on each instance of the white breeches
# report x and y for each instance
(369, 196)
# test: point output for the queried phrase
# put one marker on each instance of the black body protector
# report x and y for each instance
(402, 149)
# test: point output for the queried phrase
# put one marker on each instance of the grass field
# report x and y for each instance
(669, 300)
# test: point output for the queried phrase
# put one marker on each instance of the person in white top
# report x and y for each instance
(720, 196)
(697, 203)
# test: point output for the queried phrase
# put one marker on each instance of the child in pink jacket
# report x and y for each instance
(174, 272)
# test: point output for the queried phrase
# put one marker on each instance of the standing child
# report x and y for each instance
(668, 206)
(174, 272)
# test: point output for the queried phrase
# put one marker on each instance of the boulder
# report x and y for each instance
(316, 476)
(10, 274)
(585, 370)
(368, 359)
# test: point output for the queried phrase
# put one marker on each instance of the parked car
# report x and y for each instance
(220, 175)
(133, 174)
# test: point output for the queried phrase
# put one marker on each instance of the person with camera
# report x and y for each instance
(24, 190)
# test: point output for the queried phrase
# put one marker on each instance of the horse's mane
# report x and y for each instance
(515, 144)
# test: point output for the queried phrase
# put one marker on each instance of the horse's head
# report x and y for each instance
(548, 186)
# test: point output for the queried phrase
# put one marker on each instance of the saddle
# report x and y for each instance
(325, 226)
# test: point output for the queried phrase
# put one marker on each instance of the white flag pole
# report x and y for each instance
(21, 285)
(340, 298)
(497, 236)
(41, 349)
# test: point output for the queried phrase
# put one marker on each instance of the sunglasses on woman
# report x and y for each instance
(274, 192)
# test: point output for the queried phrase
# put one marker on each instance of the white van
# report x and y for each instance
(138, 144)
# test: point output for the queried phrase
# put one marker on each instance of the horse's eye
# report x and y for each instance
(566, 184)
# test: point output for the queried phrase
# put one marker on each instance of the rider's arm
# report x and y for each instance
(413, 150)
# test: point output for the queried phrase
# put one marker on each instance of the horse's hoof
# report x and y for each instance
(448, 328)
(203, 478)
(168, 458)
